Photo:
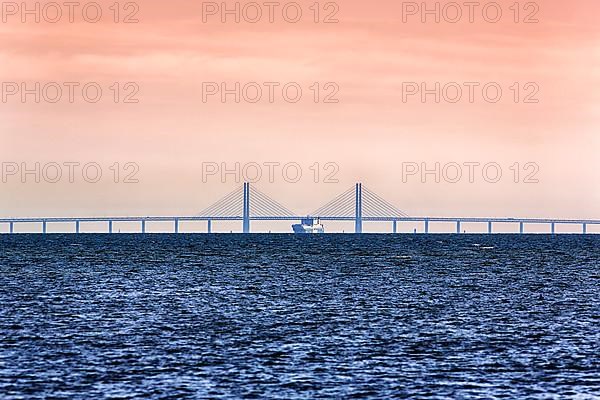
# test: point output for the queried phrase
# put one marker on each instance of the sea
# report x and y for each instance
(226, 316)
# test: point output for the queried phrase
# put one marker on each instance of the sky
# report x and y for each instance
(378, 103)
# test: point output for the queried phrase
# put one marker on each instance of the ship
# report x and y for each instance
(307, 226)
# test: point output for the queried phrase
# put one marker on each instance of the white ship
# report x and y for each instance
(308, 225)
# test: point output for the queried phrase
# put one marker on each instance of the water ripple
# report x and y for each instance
(281, 316)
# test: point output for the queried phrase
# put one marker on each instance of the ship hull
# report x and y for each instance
(308, 227)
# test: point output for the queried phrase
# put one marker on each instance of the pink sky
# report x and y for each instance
(369, 133)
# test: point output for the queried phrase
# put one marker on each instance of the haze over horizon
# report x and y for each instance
(372, 130)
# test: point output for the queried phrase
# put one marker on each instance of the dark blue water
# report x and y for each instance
(281, 316)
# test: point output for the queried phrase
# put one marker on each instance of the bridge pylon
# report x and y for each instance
(246, 210)
(244, 204)
(359, 204)
(358, 209)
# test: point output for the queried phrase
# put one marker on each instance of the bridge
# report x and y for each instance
(358, 204)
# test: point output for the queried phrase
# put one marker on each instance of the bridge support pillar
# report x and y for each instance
(176, 225)
(395, 226)
(426, 226)
(246, 221)
(358, 209)
(209, 226)
(44, 227)
(553, 228)
(584, 229)
(110, 227)
(143, 226)
(490, 227)
(11, 227)
(521, 227)
(76, 226)
(457, 226)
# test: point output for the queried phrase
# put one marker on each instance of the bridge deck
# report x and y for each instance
(298, 218)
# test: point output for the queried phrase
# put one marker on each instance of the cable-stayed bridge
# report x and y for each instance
(246, 203)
